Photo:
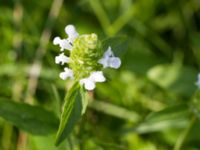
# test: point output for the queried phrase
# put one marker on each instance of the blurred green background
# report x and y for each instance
(150, 103)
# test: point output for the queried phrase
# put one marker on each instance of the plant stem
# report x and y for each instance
(7, 134)
(22, 141)
(183, 136)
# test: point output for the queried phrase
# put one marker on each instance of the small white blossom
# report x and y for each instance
(89, 83)
(109, 60)
(61, 59)
(63, 43)
(71, 32)
(68, 73)
(97, 76)
(67, 43)
(198, 81)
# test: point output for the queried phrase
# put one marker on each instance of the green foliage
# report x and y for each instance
(72, 109)
(171, 117)
(119, 44)
(150, 103)
(33, 119)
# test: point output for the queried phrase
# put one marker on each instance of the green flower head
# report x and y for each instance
(86, 58)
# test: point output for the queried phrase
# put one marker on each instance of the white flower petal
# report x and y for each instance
(104, 62)
(88, 83)
(114, 62)
(71, 32)
(82, 81)
(68, 73)
(65, 44)
(70, 29)
(56, 40)
(63, 75)
(97, 76)
(197, 84)
(108, 53)
(61, 59)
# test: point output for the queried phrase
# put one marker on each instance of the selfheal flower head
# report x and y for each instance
(86, 51)
(86, 59)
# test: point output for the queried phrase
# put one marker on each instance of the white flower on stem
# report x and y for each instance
(63, 43)
(61, 59)
(67, 43)
(109, 60)
(71, 32)
(198, 81)
(68, 73)
(89, 83)
(84, 58)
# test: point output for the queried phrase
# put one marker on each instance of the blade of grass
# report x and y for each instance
(101, 15)
(114, 110)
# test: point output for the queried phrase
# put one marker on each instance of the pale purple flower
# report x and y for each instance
(109, 60)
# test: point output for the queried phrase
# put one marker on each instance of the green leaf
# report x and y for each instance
(170, 117)
(166, 74)
(193, 136)
(169, 113)
(71, 113)
(175, 78)
(119, 44)
(32, 119)
(45, 143)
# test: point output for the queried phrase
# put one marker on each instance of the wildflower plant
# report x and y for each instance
(83, 59)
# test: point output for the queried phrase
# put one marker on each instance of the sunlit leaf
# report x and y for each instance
(177, 79)
(71, 113)
(170, 117)
(45, 143)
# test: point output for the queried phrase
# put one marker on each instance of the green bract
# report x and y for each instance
(84, 55)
